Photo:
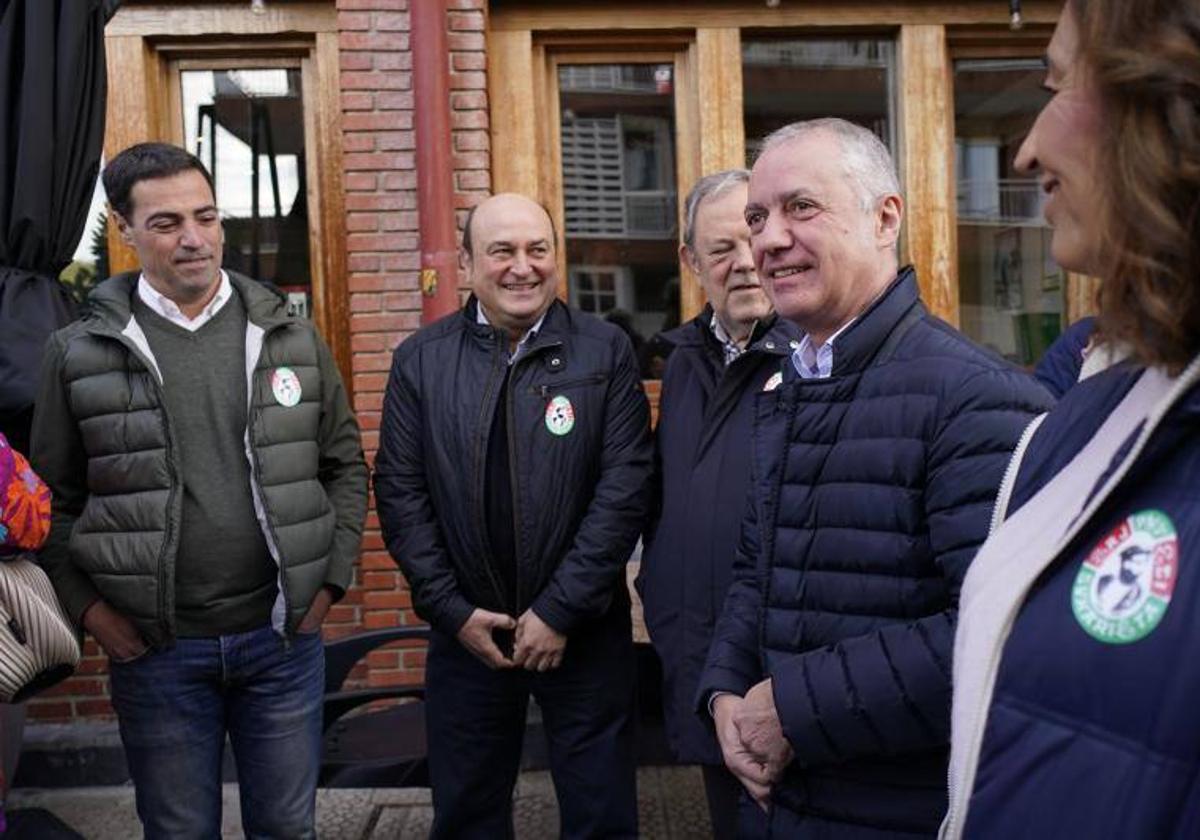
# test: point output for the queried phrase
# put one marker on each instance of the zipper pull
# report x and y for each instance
(545, 391)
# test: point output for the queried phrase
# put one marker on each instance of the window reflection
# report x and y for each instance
(786, 80)
(1010, 288)
(247, 125)
(619, 192)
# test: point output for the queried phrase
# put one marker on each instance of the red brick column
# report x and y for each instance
(385, 303)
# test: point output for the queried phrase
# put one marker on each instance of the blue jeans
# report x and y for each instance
(175, 708)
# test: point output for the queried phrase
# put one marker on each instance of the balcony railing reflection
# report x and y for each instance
(1004, 201)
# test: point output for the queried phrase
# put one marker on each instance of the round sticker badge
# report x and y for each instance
(560, 416)
(285, 385)
(1124, 586)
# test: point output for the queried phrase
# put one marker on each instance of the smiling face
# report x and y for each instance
(723, 262)
(1063, 146)
(176, 230)
(821, 256)
(511, 264)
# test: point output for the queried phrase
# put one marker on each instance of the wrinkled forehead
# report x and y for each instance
(812, 164)
(514, 224)
(722, 207)
(182, 194)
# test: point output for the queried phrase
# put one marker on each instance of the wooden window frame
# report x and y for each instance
(147, 46)
(526, 39)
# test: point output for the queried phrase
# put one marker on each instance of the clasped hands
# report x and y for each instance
(752, 741)
(536, 645)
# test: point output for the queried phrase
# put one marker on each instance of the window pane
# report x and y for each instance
(248, 128)
(805, 78)
(1010, 289)
(619, 192)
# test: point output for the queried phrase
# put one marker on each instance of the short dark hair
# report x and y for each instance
(144, 162)
(466, 234)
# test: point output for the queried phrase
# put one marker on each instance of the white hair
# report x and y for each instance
(710, 186)
(866, 161)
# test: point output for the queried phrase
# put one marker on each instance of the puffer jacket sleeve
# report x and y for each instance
(342, 471)
(582, 586)
(57, 455)
(402, 498)
(733, 664)
(889, 691)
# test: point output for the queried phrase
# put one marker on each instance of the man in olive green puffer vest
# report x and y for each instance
(209, 493)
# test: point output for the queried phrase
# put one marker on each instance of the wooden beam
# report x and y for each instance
(927, 156)
(708, 113)
(514, 119)
(231, 17)
(326, 196)
(719, 65)
(688, 163)
(615, 15)
(135, 114)
(1080, 297)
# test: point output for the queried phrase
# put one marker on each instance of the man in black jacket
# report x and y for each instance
(511, 484)
(731, 351)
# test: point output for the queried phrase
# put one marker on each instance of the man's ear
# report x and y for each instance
(122, 225)
(888, 218)
(688, 257)
(464, 260)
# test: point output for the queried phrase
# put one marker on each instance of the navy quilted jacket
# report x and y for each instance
(870, 492)
(1093, 730)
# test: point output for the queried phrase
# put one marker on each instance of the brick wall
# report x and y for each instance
(385, 302)
(383, 264)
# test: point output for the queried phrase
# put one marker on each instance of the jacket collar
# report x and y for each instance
(771, 335)
(556, 323)
(857, 346)
(112, 302)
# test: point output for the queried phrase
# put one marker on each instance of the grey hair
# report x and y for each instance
(867, 162)
(710, 186)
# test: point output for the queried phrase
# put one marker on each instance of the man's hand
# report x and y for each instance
(315, 616)
(476, 636)
(115, 633)
(750, 772)
(539, 646)
(760, 731)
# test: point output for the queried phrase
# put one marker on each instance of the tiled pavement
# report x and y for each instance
(670, 802)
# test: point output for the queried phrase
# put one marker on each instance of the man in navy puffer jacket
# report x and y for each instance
(873, 471)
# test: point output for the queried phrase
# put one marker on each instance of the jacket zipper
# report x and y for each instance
(1008, 482)
(257, 491)
(165, 617)
(514, 488)
(485, 426)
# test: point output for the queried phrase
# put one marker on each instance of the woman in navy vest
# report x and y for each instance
(1076, 669)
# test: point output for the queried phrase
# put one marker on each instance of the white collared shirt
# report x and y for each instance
(529, 336)
(816, 362)
(164, 306)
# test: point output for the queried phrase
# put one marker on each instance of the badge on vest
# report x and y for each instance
(285, 385)
(1124, 586)
(560, 416)
(774, 382)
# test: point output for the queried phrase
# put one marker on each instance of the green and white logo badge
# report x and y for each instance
(1124, 586)
(285, 385)
(560, 416)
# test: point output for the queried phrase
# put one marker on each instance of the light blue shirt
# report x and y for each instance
(816, 362)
